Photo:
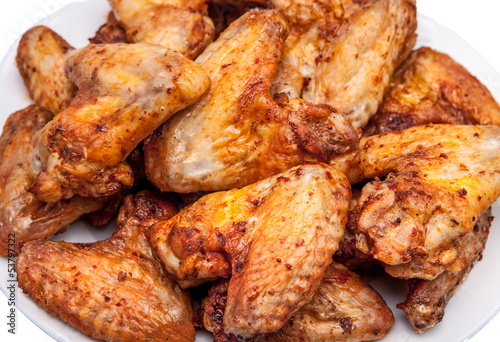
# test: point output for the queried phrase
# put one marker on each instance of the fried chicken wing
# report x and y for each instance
(275, 238)
(109, 33)
(427, 299)
(125, 91)
(430, 87)
(40, 60)
(180, 25)
(345, 308)
(21, 213)
(236, 134)
(346, 54)
(113, 289)
(439, 180)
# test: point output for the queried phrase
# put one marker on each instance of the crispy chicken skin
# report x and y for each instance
(21, 213)
(236, 134)
(180, 25)
(345, 52)
(439, 180)
(427, 299)
(348, 254)
(430, 87)
(113, 289)
(109, 33)
(275, 238)
(40, 60)
(345, 308)
(125, 91)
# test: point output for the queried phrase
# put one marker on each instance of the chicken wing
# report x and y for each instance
(439, 180)
(345, 308)
(180, 25)
(236, 134)
(22, 216)
(113, 289)
(430, 87)
(40, 60)
(275, 238)
(125, 91)
(427, 299)
(345, 54)
(109, 33)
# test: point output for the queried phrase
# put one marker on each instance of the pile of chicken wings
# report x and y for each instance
(255, 154)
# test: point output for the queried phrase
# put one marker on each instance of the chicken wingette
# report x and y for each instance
(274, 238)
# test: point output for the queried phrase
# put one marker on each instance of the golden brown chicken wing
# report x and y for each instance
(22, 216)
(345, 308)
(430, 87)
(275, 238)
(109, 33)
(180, 25)
(439, 180)
(125, 92)
(236, 134)
(427, 299)
(40, 60)
(113, 289)
(346, 54)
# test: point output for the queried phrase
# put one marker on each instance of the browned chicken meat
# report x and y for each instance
(343, 53)
(439, 180)
(180, 25)
(125, 91)
(345, 308)
(430, 87)
(113, 289)
(274, 238)
(427, 299)
(348, 254)
(40, 60)
(236, 134)
(22, 216)
(109, 33)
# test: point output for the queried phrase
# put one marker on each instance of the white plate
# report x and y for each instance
(475, 302)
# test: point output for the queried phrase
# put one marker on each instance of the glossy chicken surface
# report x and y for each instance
(40, 60)
(21, 214)
(430, 87)
(427, 299)
(114, 289)
(345, 52)
(439, 180)
(274, 238)
(125, 91)
(180, 25)
(236, 134)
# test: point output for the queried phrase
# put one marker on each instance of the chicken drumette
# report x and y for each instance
(125, 91)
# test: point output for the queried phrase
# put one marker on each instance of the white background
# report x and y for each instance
(478, 22)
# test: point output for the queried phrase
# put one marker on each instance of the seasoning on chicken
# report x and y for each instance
(125, 91)
(274, 238)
